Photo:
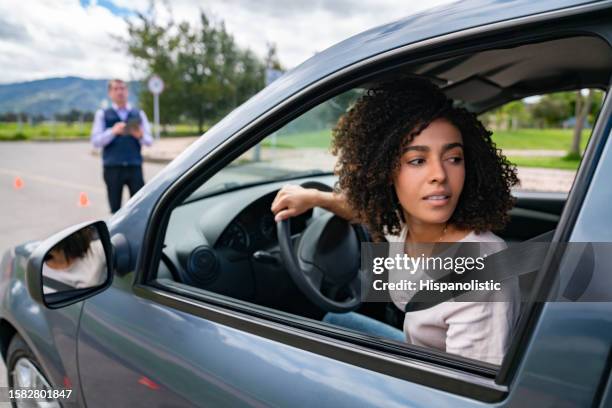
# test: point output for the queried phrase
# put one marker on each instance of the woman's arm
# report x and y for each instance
(293, 200)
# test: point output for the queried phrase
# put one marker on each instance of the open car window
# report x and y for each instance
(300, 148)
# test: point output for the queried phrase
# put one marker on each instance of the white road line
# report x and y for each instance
(49, 180)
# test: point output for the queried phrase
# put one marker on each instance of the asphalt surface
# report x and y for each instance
(53, 176)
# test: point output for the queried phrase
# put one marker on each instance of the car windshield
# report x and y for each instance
(300, 148)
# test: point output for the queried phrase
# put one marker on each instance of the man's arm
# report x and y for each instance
(146, 138)
(100, 137)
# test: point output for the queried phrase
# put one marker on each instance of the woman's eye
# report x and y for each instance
(455, 159)
(416, 162)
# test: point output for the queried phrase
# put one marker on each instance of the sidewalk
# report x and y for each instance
(535, 179)
(166, 149)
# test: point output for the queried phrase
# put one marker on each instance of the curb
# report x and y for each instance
(148, 159)
(157, 160)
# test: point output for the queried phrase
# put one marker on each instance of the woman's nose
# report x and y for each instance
(437, 172)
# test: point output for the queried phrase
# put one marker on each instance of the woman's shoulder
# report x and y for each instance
(489, 243)
(484, 236)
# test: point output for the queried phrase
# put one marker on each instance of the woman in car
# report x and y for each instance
(415, 169)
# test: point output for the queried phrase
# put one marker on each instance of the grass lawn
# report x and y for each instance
(538, 139)
(530, 139)
(522, 139)
(12, 131)
(318, 139)
(546, 162)
(59, 130)
(544, 139)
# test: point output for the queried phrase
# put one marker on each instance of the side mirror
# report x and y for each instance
(70, 266)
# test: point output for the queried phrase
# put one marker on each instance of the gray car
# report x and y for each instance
(166, 307)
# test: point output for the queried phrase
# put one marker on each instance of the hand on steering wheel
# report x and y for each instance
(325, 260)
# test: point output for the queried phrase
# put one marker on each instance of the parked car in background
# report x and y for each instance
(194, 306)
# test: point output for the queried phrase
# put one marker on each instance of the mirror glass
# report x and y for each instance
(76, 262)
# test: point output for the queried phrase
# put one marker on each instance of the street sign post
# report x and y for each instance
(156, 86)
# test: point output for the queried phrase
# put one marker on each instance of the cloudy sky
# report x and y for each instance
(52, 38)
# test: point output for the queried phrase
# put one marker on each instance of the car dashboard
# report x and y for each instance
(212, 244)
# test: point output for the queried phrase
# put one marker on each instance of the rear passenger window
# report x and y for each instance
(546, 135)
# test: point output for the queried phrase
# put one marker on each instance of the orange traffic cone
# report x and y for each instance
(83, 200)
(18, 184)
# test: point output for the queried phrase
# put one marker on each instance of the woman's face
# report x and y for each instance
(431, 174)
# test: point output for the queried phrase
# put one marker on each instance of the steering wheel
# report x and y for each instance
(324, 261)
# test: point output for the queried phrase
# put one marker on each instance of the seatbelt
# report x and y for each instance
(56, 285)
(514, 261)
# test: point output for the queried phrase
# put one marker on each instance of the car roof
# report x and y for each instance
(491, 77)
(431, 23)
(434, 22)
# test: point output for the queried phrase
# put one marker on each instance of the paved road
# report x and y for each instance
(54, 175)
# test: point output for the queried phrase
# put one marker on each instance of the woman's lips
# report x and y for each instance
(437, 200)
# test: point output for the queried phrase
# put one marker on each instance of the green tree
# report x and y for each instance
(151, 46)
(206, 74)
(271, 59)
(582, 107)
(515, 113)
(552, 109)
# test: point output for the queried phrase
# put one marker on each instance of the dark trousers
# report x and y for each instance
(116, 177)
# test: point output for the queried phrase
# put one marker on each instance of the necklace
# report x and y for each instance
(443, 232)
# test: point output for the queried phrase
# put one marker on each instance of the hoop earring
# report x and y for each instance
(396, 204)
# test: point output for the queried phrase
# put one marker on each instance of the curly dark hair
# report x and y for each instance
(369, 140)
(77, 244)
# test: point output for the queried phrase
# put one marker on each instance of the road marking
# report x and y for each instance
(52, 181)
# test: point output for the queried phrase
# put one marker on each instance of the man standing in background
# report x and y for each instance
(121, 130)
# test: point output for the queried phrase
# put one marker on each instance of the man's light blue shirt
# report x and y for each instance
(100, 136)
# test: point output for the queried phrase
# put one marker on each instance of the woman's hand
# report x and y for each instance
(293, 200)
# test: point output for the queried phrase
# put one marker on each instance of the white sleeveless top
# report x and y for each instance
(478, 330)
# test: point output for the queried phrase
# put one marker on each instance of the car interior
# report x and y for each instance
(224, 239)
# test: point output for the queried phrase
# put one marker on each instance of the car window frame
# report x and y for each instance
(479, 384)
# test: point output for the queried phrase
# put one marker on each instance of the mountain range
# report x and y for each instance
(57, 95)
